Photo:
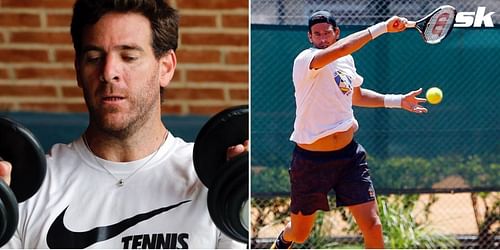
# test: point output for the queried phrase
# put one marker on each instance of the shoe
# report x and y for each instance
(279, 243)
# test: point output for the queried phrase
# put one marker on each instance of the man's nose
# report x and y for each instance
(110, 70)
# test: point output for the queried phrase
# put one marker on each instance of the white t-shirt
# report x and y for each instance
(323, 97)
(79, 205)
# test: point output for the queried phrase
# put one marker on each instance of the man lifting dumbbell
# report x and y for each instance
(127, 182)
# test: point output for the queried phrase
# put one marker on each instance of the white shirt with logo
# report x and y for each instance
(323, 97)
(162, 204)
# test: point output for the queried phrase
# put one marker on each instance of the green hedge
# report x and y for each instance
(403, 174)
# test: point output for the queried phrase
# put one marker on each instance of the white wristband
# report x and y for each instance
(393, 101)
(377, 29)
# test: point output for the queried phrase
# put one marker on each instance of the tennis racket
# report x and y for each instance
(435, 26)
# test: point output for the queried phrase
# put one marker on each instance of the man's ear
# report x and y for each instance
(309, 35)
(337, 33)
(168, 62)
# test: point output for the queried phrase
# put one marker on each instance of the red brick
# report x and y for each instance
(6, 106)
(19, 20)
(41, 73)
(219, 4)
(38, 3)
(206, 109)
(238, 94)
(198, 56)
(65, 55)
(177, 76)
(41, 37)
(195, 94)
(72, 91)
(59, 20)
(217, 76)
(23, 55)
(237, 58)
(214, 39)
(235, 21)
(3, 74)
(196, 21)
(27, 90)
(170, 109)
(54, 107)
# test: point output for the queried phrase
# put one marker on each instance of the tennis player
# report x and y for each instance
(326, 155)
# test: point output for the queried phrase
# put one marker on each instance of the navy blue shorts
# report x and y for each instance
(313, 174)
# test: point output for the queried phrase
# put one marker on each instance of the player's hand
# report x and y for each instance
(411, 102)
(235, 150)
(5, 170)
(396, 24)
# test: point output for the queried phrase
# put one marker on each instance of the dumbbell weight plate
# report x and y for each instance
(227, 197)
(225, 129)
(227, 181)
(4, 216)
(20, 147)
(9, 213)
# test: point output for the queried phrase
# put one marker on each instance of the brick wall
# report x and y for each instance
(36, 57)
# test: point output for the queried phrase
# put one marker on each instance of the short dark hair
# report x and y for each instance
(321, 16)
(164, 20)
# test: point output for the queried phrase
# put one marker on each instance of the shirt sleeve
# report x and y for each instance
(225, 242)
(357, 79)
(301, 70)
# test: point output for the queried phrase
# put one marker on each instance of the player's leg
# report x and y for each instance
(297, 230)
(310, 183)
(355, 191)
(366, 216)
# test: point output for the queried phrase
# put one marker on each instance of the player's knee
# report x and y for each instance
(376, 227)
(373, 226)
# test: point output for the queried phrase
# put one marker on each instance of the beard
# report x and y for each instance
(322, 45)
(123, 120)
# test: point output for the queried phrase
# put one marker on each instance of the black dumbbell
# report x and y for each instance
(19, 147)
(227, 181)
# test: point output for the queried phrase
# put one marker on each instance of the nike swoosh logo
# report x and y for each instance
(61, 237)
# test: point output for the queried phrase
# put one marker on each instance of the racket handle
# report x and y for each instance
(411, 24)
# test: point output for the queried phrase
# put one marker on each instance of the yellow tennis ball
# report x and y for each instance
(434, 95)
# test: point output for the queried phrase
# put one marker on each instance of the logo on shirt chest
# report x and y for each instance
(343, 81)
(59, 236)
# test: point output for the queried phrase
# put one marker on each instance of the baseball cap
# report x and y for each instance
(321, 16)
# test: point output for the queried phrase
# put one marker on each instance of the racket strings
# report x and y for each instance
(439, 25)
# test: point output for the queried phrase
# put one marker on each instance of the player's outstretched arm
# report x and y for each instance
(356, 41)
(372, 99)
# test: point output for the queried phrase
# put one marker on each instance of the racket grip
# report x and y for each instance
(411, 24)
